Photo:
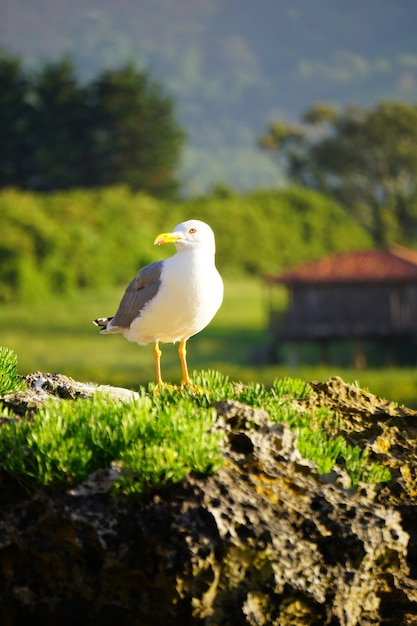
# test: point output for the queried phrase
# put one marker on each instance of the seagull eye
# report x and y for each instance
(192, 231)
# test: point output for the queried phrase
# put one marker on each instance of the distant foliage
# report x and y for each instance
(59, 242)
(365, 159)
(56, 133)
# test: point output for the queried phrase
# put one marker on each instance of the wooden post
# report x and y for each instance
(324, 351)
(293, 358)
(360, 356)
(389, 355)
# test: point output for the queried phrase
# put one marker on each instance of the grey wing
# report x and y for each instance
(138, 293)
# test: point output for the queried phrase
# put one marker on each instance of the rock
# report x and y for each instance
(348, 399)
(265, 541)
(386, 430)
(41, 386)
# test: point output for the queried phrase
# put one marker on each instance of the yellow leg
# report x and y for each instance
(157, 354)
(182, 353)
(159, 384)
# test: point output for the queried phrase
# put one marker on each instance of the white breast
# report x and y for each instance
(189, 296)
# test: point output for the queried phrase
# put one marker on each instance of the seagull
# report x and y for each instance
(169, 301)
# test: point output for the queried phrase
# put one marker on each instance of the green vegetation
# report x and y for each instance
(158, 439)
(56, 243)
(10, 381)
(314, 443)
(156, 442)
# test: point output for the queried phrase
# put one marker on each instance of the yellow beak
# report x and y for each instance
(166, 238)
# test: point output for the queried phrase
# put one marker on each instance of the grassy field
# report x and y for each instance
(58, 336)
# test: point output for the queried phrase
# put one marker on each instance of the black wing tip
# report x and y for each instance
(102, 321)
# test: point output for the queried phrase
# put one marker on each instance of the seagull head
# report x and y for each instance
(189, 235)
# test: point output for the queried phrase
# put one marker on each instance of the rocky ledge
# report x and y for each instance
(264, 541)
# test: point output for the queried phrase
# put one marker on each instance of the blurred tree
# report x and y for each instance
(56, 133)
(60, 129)
(136, 138)
(366, 159)
(14, 145)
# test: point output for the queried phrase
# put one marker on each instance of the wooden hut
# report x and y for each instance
(356, 296)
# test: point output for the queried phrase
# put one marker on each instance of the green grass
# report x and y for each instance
(10, 381)
(327, 451)
(157, 440)
(58, 336)
(156, 444)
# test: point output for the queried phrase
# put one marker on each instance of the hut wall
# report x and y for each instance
(341, 310)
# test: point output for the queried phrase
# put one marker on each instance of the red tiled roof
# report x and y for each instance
(393, 264)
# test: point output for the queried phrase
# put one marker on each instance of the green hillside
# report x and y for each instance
(232, 67)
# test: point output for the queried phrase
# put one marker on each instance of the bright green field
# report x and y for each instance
(58, 336)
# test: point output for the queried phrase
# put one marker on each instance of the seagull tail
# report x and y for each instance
(102, 323)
